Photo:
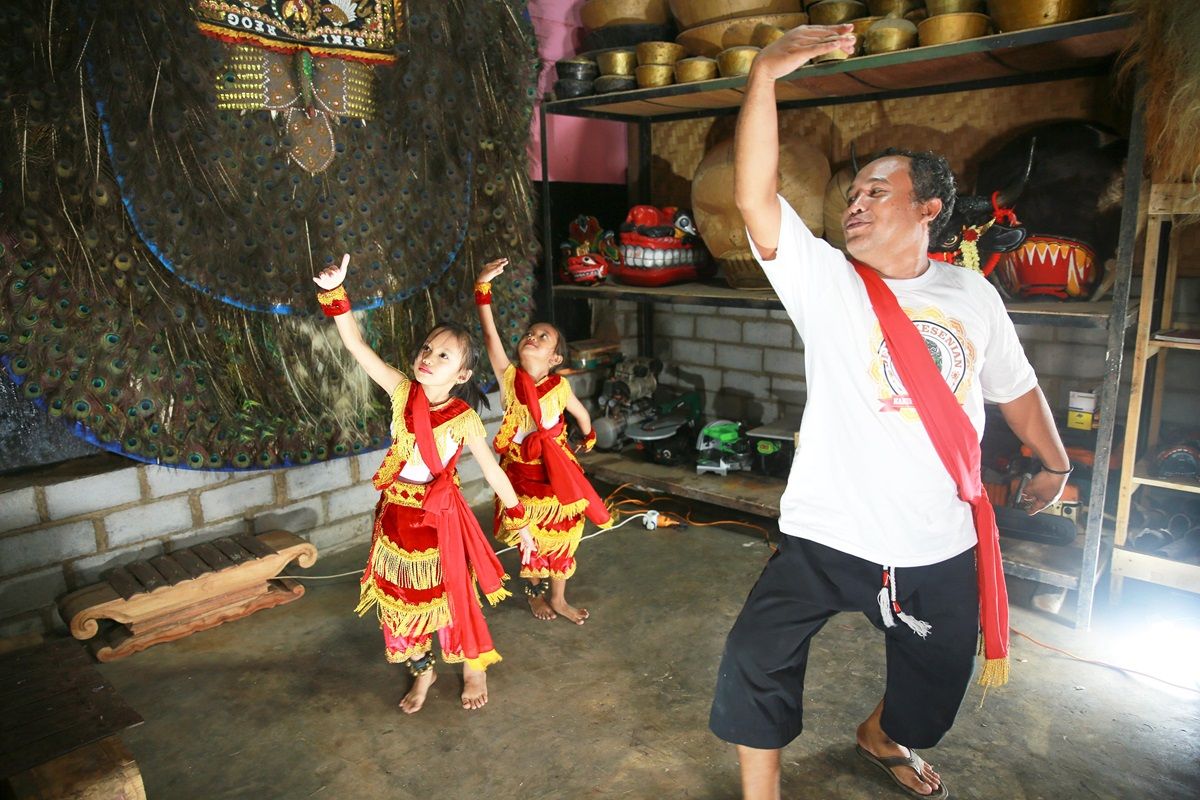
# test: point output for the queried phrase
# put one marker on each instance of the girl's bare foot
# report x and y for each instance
(558, 602)
(415, 698)
(474, 688)
(540, 608)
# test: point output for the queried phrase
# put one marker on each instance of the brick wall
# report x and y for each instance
(59, 535)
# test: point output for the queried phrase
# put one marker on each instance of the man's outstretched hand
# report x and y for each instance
(800, 45)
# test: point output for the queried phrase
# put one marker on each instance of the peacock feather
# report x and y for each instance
(158, 250)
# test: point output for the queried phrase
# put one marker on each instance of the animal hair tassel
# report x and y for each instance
(889, 605)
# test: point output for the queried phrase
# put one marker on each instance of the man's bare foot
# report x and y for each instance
(871, 738)
(576, 615)
(415, 698)
(540, 608)
(474, 688)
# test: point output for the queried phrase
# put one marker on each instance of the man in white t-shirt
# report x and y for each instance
(869, 504)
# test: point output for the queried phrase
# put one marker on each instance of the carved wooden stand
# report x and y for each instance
(172, 596)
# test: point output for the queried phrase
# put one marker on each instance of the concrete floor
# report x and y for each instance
(298, 702)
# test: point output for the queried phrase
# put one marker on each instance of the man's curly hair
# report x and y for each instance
(931, 177)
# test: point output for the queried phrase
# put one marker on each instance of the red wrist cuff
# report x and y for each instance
(334, 302)
(483, 294)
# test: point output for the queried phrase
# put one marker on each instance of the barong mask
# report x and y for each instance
(1071, 206)
(661, 247)
(590, 253)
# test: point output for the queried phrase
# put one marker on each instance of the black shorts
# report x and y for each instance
(758, 700)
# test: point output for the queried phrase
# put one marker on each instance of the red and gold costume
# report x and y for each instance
(428, 551)
(532, 444)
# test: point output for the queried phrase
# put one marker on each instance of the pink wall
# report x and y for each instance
(581, 150)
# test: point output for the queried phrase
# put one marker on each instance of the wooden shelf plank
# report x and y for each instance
(1173, 198)
(1142, 476)
(711, 293)
(1164, 571)
(1019, 56)
(757, 494)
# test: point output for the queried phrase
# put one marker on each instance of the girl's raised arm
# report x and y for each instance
(483, 301)
(386, 376)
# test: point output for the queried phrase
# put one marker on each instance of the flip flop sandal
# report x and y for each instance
(913, 762)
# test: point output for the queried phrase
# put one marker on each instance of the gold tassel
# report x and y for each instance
(995, 672)
(411, 569)
(500, 594)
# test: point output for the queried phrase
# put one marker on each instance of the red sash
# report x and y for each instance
(461, 543)
(957, 444)
(565, 475)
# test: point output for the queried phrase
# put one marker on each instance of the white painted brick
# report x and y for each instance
(18, 509)
(165, 481)
(30, 591)
(478, 493)
(693, 379)
(666, 324)
(353, 500)
(1083, 336)
(1082, 361)
(316, 478)
(235, 498)
(43, 546)
(753, 385)
(1028, 334)
(148, 521)
(368, 463)
(789, 390)
(231, 527)
(769, 334)
(493, 411)
(700, 311)
(84, 495)
(789, 363)
(745, 313)
(86, 571)
(732, 356)
(728, 405)
(779, 314)
(686, 351)
(719, 329)
(295, 518)
(629, 345)
(342, 534)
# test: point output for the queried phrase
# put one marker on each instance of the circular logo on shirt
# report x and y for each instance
(948, 346)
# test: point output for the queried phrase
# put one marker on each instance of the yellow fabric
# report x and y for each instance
(484, 660)
(516, 415)
(402, 619)
(463, 426)
(407, 568)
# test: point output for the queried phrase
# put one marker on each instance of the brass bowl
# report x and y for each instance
(614, 83)
(835, 12)
(882, 8)
(736, 60)
(659, 53)
(617, 62)
(945, 28)
(1016, 15)
(936, 7)
(697, 68)
(860, 32)
(709, 40)
(765, 34)
(692, 13)
(650, 75)
(890, 35)
(602, 13)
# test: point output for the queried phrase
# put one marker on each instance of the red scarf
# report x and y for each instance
(957, 444)
(565, 475)
(461, 543)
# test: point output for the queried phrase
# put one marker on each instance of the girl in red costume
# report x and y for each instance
(532, 444)
(427, 551)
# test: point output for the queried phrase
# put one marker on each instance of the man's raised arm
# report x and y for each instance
(756, 146)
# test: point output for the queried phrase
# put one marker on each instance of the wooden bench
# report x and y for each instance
(172, 596)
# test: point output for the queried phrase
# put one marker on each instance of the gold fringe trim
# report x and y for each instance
(411, 569)
(453, 658)
(547, 573)
(401, 618)
(995, 672)
(495, 597)
(484, 660)
(414, 651)
(461, 427)
(517, 416)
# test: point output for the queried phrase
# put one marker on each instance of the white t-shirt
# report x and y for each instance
(866, 479)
